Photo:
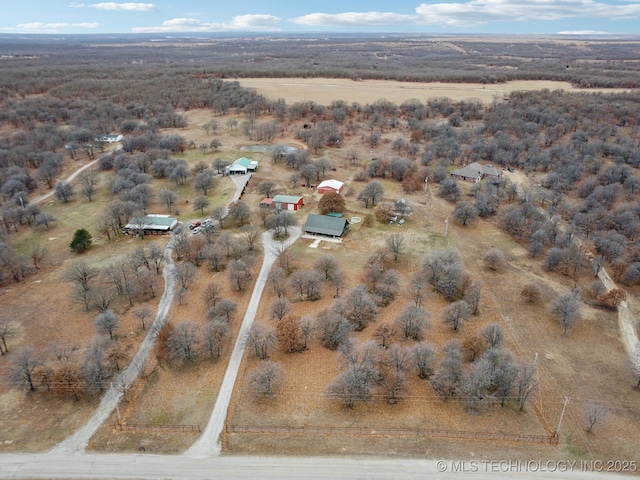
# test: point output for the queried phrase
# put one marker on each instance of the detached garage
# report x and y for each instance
(288, 202)
(325, 225)
(327, 186)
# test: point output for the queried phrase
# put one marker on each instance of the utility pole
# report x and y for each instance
(446, 227)
(564, 407)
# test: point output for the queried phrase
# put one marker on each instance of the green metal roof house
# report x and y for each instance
(325, 225)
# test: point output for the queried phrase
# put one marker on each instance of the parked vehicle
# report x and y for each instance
(194, 225)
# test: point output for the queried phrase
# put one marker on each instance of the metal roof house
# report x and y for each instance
(110, 138)
(151, 224)
(325, 225)
(474, 172)
(241, 166)
(288, 202)
(327, 186)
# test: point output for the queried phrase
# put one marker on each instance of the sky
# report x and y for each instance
(331, 16)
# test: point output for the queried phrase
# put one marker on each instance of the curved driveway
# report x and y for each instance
(78, 441)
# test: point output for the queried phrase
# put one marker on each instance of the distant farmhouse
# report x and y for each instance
(327, 186)
(474, 172)
(110, 138)
(151, 224)
(241, 166)
(326, 225)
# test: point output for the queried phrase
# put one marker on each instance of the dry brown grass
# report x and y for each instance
(324, 90)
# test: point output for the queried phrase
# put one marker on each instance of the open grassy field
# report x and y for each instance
(324, 91)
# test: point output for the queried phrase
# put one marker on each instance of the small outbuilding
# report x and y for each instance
(327, 186)
(288, 202)
(326, 225)
(266, 203)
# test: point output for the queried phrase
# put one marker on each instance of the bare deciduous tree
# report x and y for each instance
(183, 342)
(333, 329)
(472, 296)
(279, 308)
(448, 376)
(492, 333)
(8, 328)
(327, 264)
(214, 335)
(23, 368)
(567, 309)
(224, 309)
(240, 273)
(143, 313)
(185, 272)
(424, 357)
(412, 322)
(212, 294)
(384, 333)
(108, 321)
(495, 259)
(358, 307)
(307, 284)
(262, 340)
(396, 245)
(596, 412)
(456, 314)
(267, 379)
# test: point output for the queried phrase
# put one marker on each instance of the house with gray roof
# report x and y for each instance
(474, 172)
(326, 225)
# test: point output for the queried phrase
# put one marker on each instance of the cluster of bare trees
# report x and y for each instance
(70, 371)
(479, 373)
(189, 341)
(128, 279)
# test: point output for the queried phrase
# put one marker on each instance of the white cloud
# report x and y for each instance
(478, 12)
(42, 27)
(239, 23)
(75, 5)
(582, 32)
(129, 7)
(355, 19)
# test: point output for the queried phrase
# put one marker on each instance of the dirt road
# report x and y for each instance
(80, 439)
(209, 442)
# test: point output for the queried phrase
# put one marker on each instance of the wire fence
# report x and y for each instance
(426, 432)
(141, 427)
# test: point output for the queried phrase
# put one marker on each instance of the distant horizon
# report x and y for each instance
(304, 34)
(245, 17)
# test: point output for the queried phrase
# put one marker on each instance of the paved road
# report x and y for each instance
(209, 442)
(78, 441)
(113, 466)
